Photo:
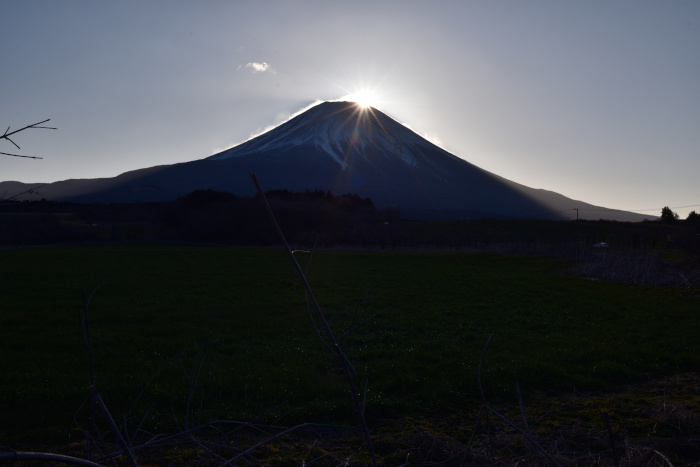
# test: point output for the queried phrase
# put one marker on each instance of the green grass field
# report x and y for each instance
(162, 311)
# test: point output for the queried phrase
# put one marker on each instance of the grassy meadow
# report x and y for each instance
(235, 321)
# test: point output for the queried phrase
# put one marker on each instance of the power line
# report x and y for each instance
(671, 207)
(630, 210)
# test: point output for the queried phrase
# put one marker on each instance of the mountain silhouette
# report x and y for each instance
(343, 148)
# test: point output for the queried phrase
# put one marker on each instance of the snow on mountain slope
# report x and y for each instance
(342, 130)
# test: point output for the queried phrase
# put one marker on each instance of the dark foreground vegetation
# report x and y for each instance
(206, 352)
(215, 347)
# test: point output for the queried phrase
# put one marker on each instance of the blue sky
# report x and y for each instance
(596, 100)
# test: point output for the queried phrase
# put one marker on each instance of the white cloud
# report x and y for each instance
(259, 67)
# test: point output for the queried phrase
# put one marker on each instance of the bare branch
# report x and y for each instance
(9, 133)
(17, 155)
(33, 125)
(16, 145)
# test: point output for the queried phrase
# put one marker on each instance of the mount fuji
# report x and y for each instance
(343, 148)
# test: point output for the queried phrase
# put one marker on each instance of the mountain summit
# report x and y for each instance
(342, 147)
(343, 131)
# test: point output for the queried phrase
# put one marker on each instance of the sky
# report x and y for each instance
(596, 100)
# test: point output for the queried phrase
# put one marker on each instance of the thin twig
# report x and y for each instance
(138, 428)
(529, 438)
(193, 386)
(33, 125)
(664, 457)
(120, 439)
(478, 370)
(339, 352)
(94, 393)
(522, 409)
(613, 446)
(308, 302)
(9, 133)
(476, 425)
(483, 396)
(46, 456)
(91, 376)
(18, 155)
(31, 190)
(263, 442)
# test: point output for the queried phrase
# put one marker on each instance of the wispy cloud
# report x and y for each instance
(257, 67)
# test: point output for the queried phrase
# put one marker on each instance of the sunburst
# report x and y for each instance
(364, 98)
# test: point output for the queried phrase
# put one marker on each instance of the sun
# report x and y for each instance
(364, 98)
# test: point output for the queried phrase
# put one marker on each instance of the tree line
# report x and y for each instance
(308, 217)
(210, 216)
(670, 217)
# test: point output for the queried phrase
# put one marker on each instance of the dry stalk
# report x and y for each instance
(613, 446)
(529, 438)
(663, 457)
(485, 405)
(336, 347)
(95, 399)
(263, 442)
(46, 457)
(308, 302)
(522, 409)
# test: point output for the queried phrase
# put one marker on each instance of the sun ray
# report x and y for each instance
(364, 98)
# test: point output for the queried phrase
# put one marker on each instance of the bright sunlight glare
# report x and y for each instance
(364, 98)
